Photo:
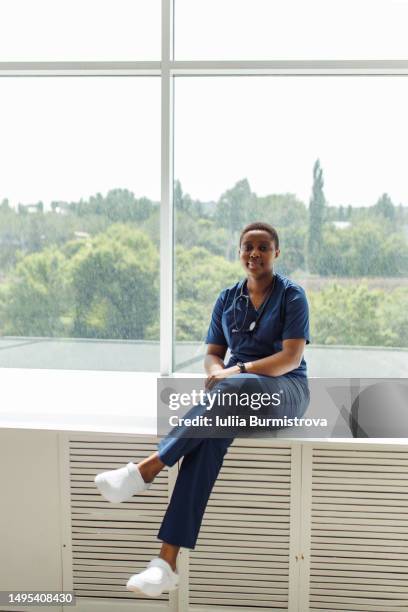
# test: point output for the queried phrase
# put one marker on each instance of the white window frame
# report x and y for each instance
(167, 69)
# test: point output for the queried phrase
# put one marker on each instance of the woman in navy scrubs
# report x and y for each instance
(264, 321)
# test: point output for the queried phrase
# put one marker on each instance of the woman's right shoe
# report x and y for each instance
(157, 578)
(120, 485)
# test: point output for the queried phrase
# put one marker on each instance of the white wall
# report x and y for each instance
(30, 540)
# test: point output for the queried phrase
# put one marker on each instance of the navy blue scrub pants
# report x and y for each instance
(203, 457)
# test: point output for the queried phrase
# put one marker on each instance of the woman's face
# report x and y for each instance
(257, 253)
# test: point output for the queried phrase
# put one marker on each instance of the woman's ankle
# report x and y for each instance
(169, 554)
(173, 564)
(150, 467)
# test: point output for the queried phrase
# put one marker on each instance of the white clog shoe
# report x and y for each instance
(120, 485)
(155, 579)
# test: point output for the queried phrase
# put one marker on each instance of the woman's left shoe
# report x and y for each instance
(120, 485)
(155, 579)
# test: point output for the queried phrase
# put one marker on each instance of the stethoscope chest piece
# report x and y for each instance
(236, 300)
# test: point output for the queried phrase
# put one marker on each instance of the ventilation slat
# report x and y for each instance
(391, 478)
(117, 593)
(377, 508)
(354, 576)
(368, 524)
(220, 510)
(361, 487)
(380, 603)
(110, 542)
(257, 474)
(322, 562)
(258, 555)
(219, 568)
(359, 527)
(368, 460)
(357, 591)
(355, 543)
(232, 580)
(257, 465)
(357, 607)
(242, 601)
(345, 511)
(349, 454)
(242, 554)
(233, 589)
(357, 587)
(221, 543)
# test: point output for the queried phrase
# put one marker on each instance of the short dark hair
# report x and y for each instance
(258, 225)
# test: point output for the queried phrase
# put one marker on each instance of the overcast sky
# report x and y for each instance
(63, 139)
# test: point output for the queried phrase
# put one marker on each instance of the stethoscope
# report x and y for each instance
(242, 295)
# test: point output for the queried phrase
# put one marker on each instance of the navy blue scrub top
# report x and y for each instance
(286, 315)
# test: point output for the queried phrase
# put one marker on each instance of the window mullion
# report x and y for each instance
(166, 207)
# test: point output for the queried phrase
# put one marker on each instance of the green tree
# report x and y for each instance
(385, 208)
(367, 248)
(349, 316)
(182, 201)
(5, 206)
(121, 205)
(232, 213)
(200, 277)
(10, 241)
(192, 232)
(316, 217)
(36, 300)
(292, 244)
(115, 284)
(281, 210)
(393, 316)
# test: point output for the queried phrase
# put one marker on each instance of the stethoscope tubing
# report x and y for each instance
(254, 324)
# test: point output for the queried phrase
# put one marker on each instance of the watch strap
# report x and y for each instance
(241, 366)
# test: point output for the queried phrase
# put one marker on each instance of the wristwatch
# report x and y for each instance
(241, 366)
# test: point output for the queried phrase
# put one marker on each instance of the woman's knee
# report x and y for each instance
(238, 383)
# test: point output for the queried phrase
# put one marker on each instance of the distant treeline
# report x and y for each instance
(91, 268)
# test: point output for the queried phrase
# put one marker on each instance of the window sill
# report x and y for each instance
(78, 400)
(104, 402)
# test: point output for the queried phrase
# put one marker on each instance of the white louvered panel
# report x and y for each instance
(110, 542)
(359, 530)
(241, 559)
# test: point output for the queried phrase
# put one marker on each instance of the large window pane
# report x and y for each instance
(258, 148)
(79, 222)
(291, 29)
(79, 30)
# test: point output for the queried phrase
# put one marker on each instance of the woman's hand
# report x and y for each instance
(217, 375)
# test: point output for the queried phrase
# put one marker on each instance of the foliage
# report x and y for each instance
(232, 213)
(117, 205)
(36, 299)
(280, 210)
(114, 281)
(292, 241)
(316, 218)
(356, 315)
(368, 248)
(91, 268)
(385, 208)
(200, 278)
(192, 232)
(393, 316)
